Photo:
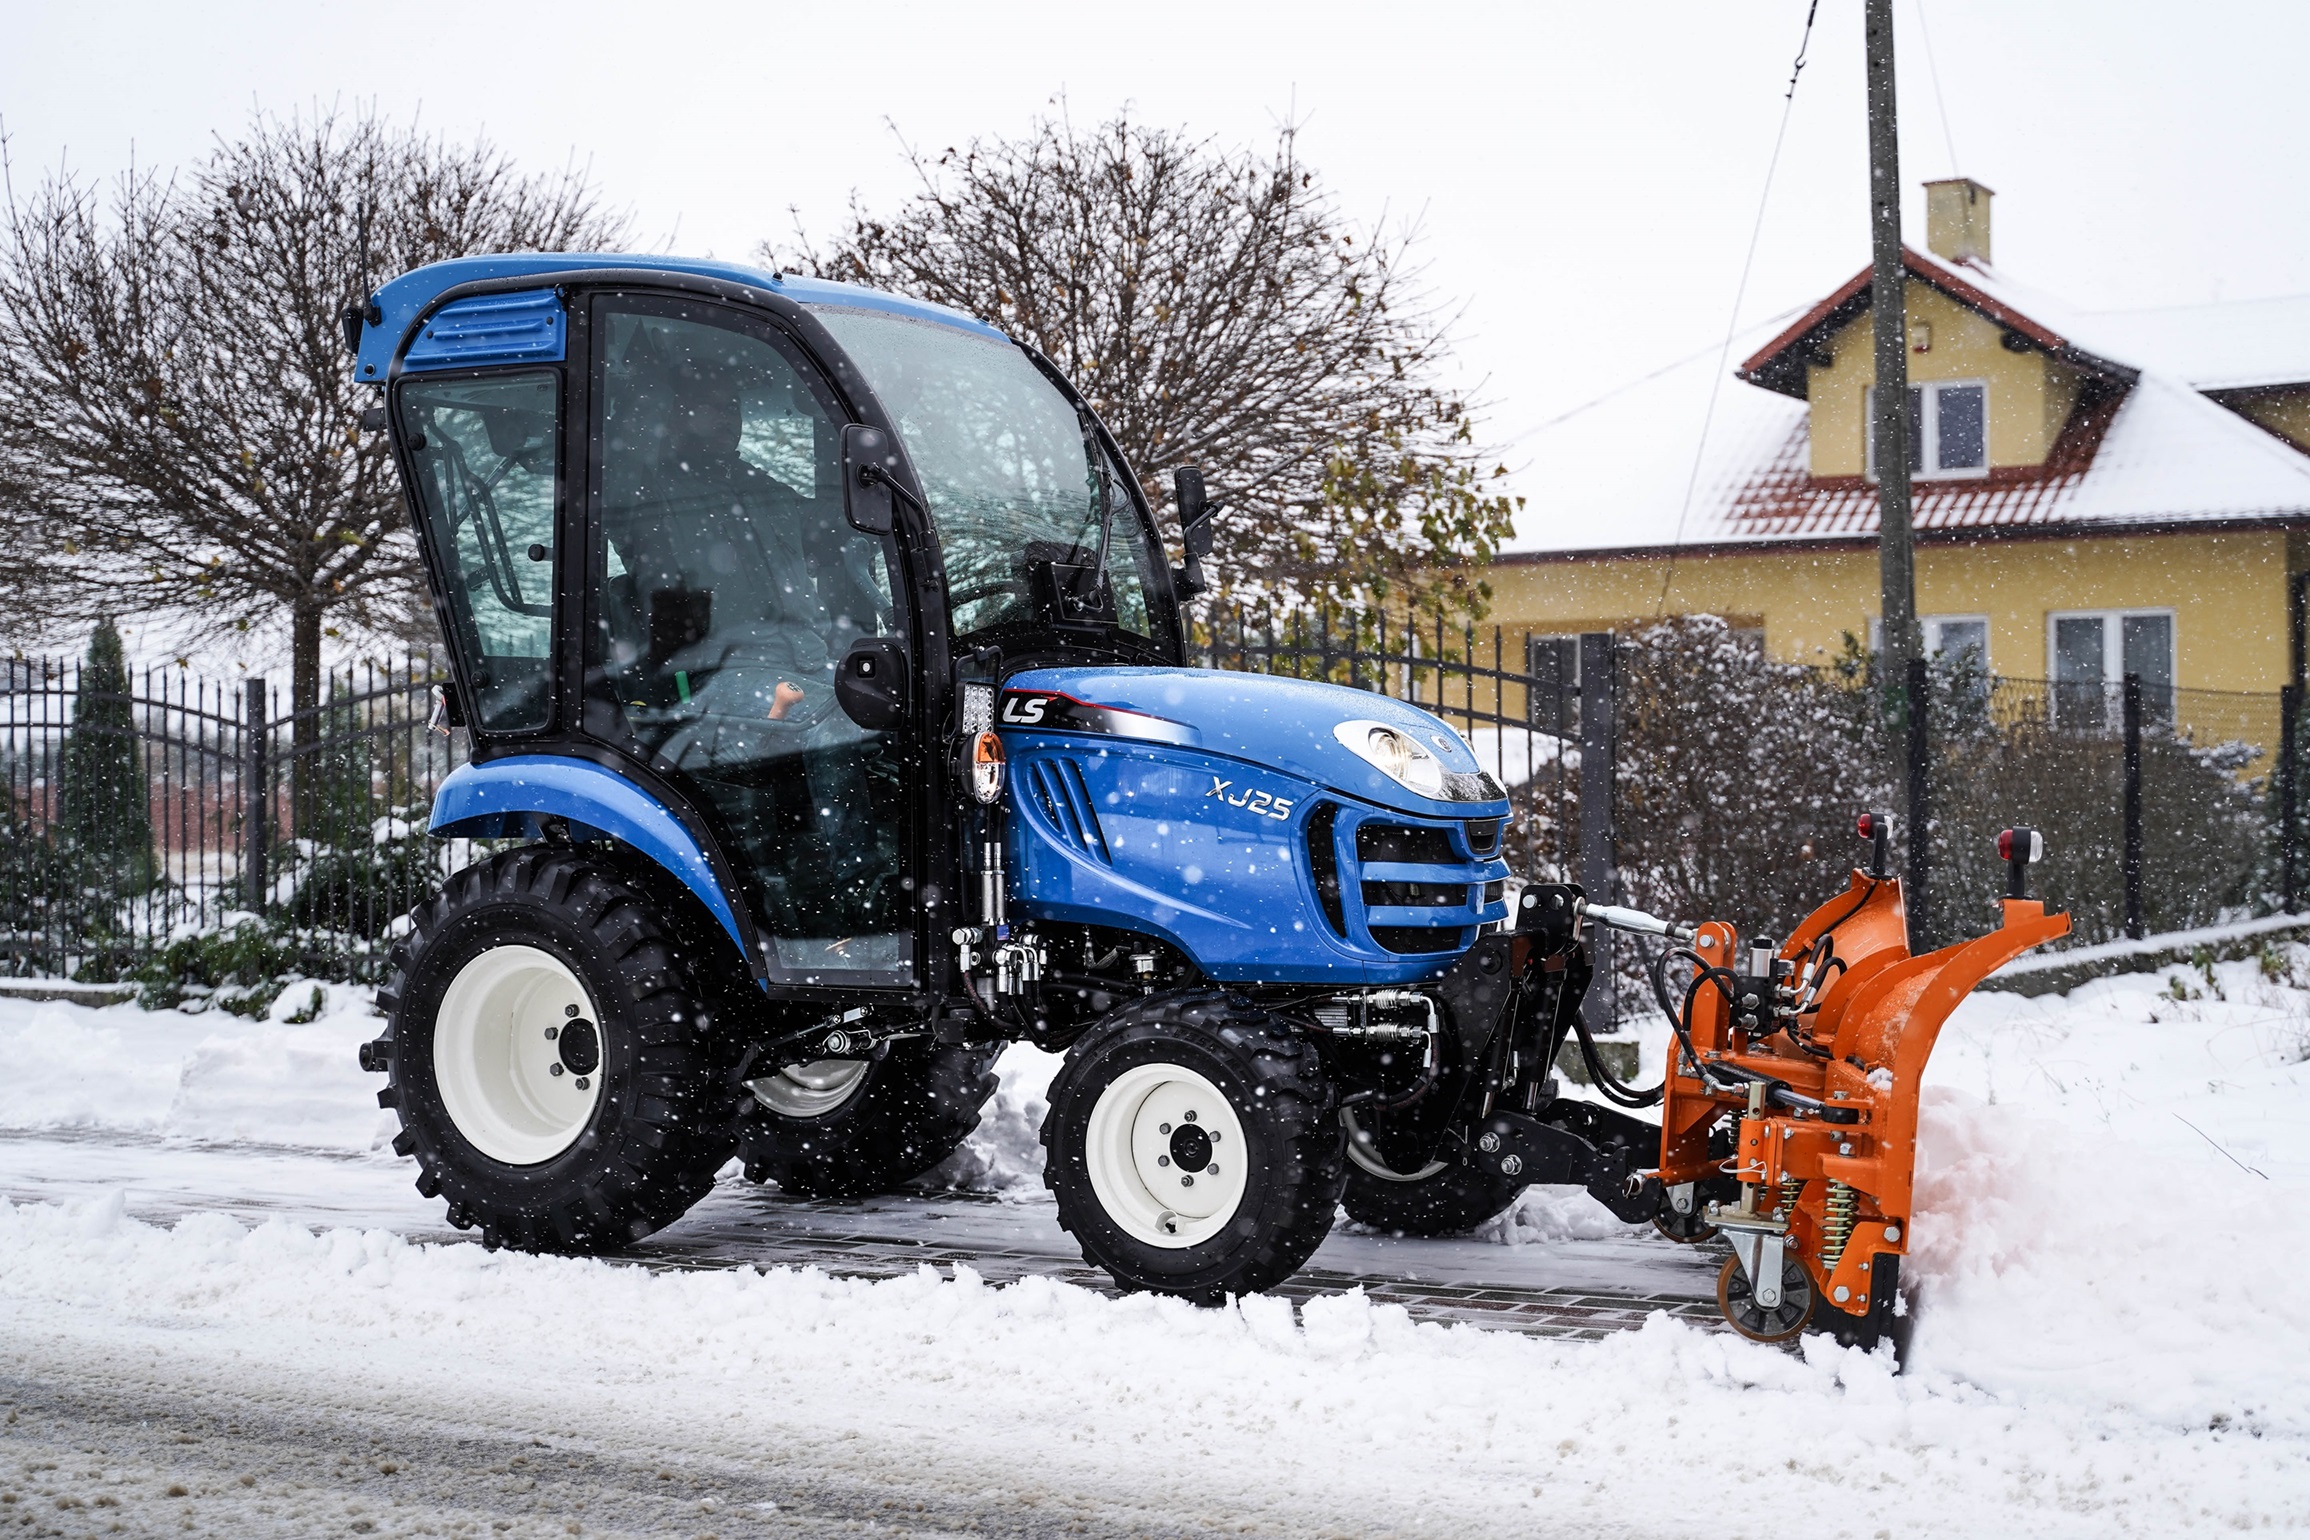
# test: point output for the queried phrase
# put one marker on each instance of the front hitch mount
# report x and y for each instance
(1524, 1149)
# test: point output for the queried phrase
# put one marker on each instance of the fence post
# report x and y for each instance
(256, 778)
(2133, 807)
(1917, 883)
(2290, 712)
(1599, 714)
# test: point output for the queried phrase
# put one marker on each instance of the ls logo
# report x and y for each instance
(1259, 802)
(1025, 710)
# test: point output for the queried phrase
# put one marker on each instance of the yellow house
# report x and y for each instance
(2095, 494)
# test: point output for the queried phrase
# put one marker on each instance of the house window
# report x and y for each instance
(1955, 641)
(2088, 656)
(1961, 641)
(1948, 428)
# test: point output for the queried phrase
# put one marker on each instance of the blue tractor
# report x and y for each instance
(825, 674)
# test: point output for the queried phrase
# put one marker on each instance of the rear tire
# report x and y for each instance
(1182, 1089)
(550, 1056)
(826, 1130)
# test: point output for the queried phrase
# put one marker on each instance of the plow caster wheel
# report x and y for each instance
(1739, 1303)
(1684, 1229)
(1193, 1147)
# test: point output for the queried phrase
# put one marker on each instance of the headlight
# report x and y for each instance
(1395, 753)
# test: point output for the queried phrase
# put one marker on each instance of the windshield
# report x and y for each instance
(1002, 458)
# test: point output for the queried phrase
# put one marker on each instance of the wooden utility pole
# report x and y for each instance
(1896, 563)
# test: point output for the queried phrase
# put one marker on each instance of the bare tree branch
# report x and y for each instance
(179, 424)
(1216, 309)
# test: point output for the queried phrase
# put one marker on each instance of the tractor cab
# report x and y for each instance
(735, 543)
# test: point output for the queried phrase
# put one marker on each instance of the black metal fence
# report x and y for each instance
(143, 820)
(178, 832)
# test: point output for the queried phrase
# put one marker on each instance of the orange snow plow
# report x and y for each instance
(1814, 1053)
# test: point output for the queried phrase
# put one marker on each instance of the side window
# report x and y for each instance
(726, 587)
(487, 452)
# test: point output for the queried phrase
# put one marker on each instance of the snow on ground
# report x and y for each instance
(2114, 1192)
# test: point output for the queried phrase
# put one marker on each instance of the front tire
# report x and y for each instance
(1192, 1146)
(850, 1128)
(549, 1056)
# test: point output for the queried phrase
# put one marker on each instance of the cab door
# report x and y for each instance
(723, 586)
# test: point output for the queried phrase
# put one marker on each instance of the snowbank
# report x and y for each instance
(2114, 1185)
(1344, 1413)
(210, 1077)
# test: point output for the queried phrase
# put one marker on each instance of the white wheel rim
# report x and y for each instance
(499, 1044)
(1160, 1183)
(810, 1090)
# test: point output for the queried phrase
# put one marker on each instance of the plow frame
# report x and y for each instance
(1871, 1028)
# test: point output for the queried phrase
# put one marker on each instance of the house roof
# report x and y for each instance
(2238, 345)
(1635, 471)
(1780, 364)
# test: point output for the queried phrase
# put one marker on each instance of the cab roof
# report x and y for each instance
(400, 303)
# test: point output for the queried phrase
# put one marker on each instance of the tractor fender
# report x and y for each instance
(512, 797)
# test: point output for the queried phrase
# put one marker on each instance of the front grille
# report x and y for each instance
(1417, 938)
(1412, 872)
(1417, 895)
(1323, 864)
(1397, 842)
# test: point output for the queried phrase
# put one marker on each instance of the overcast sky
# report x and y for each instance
(1585, 176)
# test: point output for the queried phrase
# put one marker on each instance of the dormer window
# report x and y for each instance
(1948, 429)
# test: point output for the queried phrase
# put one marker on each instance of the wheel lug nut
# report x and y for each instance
(582, 1082)
(1187, 1181)
(569, 1010)
(1212, 1135)
(551, 1033)
(1190, 1116)
(1213, 1168)
(553, 1069)
(1162, 1128)
(1163, 1160)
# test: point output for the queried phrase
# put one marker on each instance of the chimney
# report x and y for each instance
(1957, 220)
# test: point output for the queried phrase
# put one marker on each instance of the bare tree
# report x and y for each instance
(179, 425)
(1216, 308)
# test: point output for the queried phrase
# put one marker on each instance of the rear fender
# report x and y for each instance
(513, 797)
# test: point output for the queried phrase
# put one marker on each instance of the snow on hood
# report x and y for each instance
(1280, 723)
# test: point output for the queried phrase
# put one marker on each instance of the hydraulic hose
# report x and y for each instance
(1614, 1089)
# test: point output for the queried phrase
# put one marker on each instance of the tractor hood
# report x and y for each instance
(1279, 723)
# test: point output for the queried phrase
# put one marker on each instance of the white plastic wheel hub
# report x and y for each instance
(810, 1090)
(517, 1053)
(1166, 1155)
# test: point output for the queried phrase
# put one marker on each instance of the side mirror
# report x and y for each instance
(867, 490)
(870, 683)
(1198, 513)
(1195, 509)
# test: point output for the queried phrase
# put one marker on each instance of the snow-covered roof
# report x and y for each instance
(1633, 471)
(2237, 345)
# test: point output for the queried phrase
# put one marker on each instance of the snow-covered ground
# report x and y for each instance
(2114, 1195)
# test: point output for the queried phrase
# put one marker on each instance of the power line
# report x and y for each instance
(1626, 386)
(1740, 293)
(1933, 73)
